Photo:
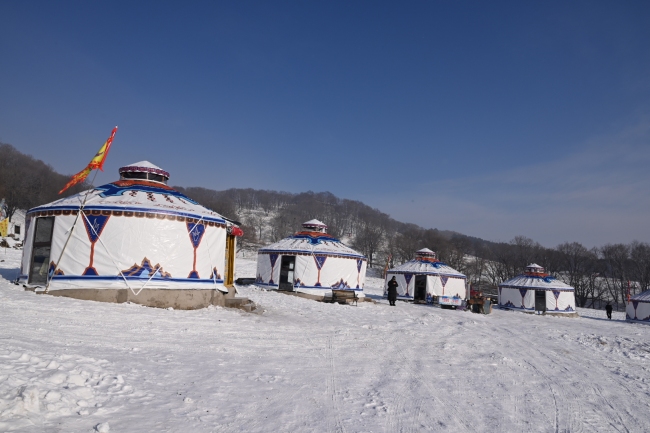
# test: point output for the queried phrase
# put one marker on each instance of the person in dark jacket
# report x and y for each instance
(608, 308)
(392, 291)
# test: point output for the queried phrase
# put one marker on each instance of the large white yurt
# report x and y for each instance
(311, 262)
(638, 308)
(135, 240)
(535, 290)
(424, 277)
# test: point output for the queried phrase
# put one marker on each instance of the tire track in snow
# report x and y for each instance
(417, 414)
(569, 396)
(278, 399)
(332, 392)
(416, 378)
(600, 394)
(450, 409)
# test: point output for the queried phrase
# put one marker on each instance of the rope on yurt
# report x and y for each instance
(153, 274)
(433, 287)
(147, 282)
(214, 276)
(111, 257)
(304, 269)
(81, 208)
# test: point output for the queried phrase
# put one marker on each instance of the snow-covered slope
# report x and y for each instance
(304, 366)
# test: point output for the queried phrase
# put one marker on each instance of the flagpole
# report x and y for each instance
(56, 266)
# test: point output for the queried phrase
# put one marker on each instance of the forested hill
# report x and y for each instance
(267, 216)
(26, 182)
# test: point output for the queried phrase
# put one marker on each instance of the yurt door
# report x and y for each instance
(540, 300)
(287, 270)
(41, 251)
(420, 293)
(231, 249)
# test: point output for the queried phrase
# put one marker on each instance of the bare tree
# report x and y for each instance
(26, 182)
(578, 268)
(640, 270)
(369, 240)
(615, 270)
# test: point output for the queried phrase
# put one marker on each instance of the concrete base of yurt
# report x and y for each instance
(328, 298)
(547, 313)
(178, 299)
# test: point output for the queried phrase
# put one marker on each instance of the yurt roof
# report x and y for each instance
(642, 297)
(311, 242)
(536, 281)
(143, 198)
(425, 263)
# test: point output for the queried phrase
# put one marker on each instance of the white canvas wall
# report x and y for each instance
(128, 241)
(436, 285)
(511, 298)
(445, 286)
(641, 313)
(27, 247)
(560, 304)
(337, 272)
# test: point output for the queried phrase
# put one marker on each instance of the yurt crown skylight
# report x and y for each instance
(144, 170)
(534, 268)
(425, 252)
(314, 226)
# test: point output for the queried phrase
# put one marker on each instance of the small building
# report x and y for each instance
(638, 308)
(16, 226)
(312, 263)
(13, 227)
(536, 291)
(136, 240)
(426, 277)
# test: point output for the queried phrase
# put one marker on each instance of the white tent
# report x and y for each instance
(311, 262)
(638, 308)
(535, 290)
(426, 276)
(136, 239)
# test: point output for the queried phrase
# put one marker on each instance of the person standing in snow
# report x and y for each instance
(392, 291)
(608, 308)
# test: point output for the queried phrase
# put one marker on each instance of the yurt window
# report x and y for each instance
(17, 229)
(134, 175)
(41, 250)
(146, 176)
(156, 178)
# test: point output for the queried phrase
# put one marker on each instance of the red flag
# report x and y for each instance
(96, 163)
(79, 177)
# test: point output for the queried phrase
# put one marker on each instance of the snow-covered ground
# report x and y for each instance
(304, 366)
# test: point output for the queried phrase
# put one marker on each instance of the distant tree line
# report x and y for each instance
(26, 182)
(597, 274)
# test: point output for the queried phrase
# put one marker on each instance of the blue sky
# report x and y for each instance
(493, 119)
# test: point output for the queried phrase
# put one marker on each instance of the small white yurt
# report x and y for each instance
(135, 240)
(535, 290)
(638, 308)
(425, 277)
(311, 262)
